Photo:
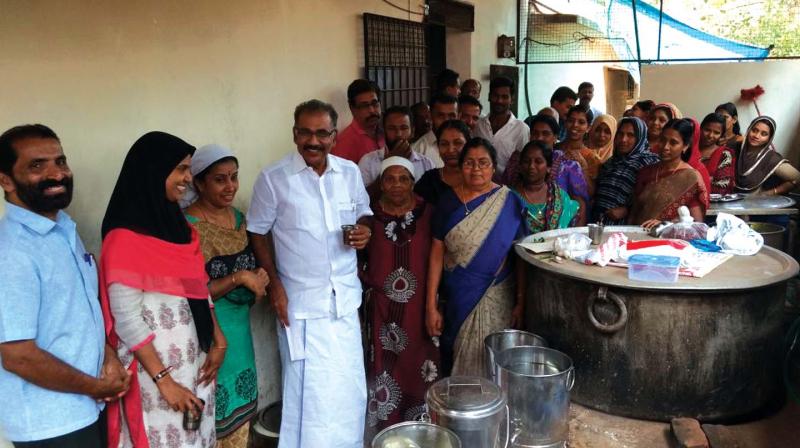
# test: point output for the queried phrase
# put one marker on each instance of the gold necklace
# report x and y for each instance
(230, 224)
(467, 211)
(525, 192)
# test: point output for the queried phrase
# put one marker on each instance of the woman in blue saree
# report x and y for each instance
(474, 228)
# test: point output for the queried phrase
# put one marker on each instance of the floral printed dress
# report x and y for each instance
(170, 319)
(402, 361)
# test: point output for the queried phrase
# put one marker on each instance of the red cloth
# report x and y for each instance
(402, 361)
(150, 264)
(721, 167)
(353, 142)
(653, 181)
(694, 159)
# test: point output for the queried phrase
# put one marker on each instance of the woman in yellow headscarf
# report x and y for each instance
(601, 136)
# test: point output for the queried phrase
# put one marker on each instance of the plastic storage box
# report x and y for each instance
(653, 268)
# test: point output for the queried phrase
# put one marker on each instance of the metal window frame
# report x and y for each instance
(397, 65)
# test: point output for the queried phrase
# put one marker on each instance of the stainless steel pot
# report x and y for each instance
(537, 381)
(501, 340)
(416, 434)
(472, 407)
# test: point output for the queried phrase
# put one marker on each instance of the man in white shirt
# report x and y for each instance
(506, 133)
(443, 108)
(303, 201)
(585, 95)
(397, 128)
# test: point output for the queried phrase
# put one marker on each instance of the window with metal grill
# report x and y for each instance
(395, 59)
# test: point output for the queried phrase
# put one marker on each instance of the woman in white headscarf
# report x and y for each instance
(402, 361)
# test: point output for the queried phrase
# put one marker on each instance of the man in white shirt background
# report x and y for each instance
(443, 108)
(303, 201)
(506, 133)
(398, 131)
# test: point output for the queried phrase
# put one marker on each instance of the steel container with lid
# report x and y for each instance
(472, 407)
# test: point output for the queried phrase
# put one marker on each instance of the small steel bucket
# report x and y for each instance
(537, 381)
(502, 340)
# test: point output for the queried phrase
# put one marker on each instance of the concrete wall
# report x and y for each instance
(698, 88)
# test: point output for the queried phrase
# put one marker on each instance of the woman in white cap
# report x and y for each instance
(235, 284)
(402, 360)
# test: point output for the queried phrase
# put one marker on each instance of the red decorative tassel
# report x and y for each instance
(752, 95)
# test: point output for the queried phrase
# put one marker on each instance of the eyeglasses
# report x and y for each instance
(374, 104)
(321, 134)
(482, 164)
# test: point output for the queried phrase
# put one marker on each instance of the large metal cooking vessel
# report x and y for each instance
(707, 348)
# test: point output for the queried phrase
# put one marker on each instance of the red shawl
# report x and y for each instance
(150, 264)
(694, 158)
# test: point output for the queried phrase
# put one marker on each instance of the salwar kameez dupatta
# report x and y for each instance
(557, 212)
(225, 252)
(477, 278)
(169, 275)
(402, 360)
(657, 197)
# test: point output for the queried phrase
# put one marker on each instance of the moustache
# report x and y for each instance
(374, 117)
(313, 148)
(45, 184)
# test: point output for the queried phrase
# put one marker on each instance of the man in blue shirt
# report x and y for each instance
(56, 367)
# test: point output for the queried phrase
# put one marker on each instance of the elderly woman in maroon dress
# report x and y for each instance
(402, 360)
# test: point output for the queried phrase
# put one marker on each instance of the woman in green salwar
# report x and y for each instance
(235, 285)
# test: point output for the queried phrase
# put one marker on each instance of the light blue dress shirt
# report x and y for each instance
(48, 293)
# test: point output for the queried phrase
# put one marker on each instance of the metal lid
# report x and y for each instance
(465, 397)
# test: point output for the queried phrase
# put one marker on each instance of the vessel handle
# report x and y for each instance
(508, 427)
(570, 378)
(604, 294)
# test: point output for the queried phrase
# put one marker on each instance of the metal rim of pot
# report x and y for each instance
(441, 406)
(569, 371)
(513, 331)
(453, 436)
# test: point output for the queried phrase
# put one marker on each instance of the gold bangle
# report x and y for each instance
(219, 347)
(234, 279)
